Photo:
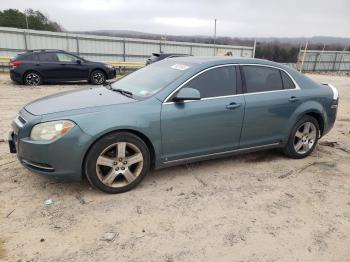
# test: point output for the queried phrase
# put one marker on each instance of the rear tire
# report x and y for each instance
(303, 138)
(97, 77)
(32, 79)
(117, 162)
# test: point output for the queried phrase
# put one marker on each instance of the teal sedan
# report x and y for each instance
(175, 111)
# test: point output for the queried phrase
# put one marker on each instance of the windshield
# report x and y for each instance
(150, 79)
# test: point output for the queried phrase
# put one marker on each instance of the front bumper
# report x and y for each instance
(111, 73)
(61, 159)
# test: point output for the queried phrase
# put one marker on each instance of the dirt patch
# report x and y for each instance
(2, 249)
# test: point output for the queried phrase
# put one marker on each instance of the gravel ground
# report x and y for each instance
(253, 207)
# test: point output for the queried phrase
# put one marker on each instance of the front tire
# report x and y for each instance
(303, 138)
(32, 79)
(97, 77)
(117, 162)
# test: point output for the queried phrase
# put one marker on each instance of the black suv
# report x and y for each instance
(155, 57)
(37, 66)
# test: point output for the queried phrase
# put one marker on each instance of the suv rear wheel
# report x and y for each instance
(32, 79)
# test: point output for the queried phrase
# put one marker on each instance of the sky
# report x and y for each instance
(235, 18)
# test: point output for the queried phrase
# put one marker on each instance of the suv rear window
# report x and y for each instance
(48, 57)
(262, 79)
(24, 57)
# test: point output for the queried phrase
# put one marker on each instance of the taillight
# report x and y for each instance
(15, 64)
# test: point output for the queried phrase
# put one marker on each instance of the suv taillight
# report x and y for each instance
(15, 63)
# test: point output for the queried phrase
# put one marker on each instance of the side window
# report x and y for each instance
(262, 79)
(66, 58)
(287, 82)
(219, 81)
(47, 57)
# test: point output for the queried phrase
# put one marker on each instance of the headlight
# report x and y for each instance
(51, 130)
(109, 66)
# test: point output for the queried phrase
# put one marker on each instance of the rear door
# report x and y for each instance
(271, 98)
(207, 126)
(47, 65)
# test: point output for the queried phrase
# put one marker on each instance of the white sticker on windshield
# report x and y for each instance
(180, 67)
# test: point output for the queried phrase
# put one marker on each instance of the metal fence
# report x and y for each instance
(317, 60)
(104, 48)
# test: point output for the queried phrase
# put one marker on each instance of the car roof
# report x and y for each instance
(212, 60)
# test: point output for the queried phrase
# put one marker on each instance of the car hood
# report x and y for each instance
(76, 99)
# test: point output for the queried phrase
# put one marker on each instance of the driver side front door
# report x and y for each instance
(212, 125)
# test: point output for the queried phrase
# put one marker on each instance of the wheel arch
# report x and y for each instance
(139, 134)
(98, 69)
(319, 117)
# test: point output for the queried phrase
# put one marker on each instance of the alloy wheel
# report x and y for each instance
(305, 138)
(32, 79)
(119, 164)
(98, 78)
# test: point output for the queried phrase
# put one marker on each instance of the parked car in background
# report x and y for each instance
(175, 111)
(35, 67)
(155, 57)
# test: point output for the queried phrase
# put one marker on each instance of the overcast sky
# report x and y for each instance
(245, 18)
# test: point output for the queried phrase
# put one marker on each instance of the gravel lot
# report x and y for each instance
(253, 207)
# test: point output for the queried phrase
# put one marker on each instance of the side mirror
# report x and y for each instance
(187, 93)
(79, 62)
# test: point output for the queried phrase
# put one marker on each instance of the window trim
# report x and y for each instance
(238, 85)
(241, 84)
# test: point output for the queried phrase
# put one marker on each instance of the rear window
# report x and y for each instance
(287, 82)
(262, 79)
(24, 57)
(47, 57)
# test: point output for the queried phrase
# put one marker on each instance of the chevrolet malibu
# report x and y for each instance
(172, 112)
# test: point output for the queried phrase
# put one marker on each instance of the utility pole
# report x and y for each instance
(26, 33)
(25, 15)
(215, 37)
(254, 48)
(302, 61)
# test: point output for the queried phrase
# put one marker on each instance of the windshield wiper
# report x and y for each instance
(122, 91)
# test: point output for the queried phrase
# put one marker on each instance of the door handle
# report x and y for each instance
(233, 105)
(293, 99)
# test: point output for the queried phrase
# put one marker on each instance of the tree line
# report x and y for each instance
(34, 19)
